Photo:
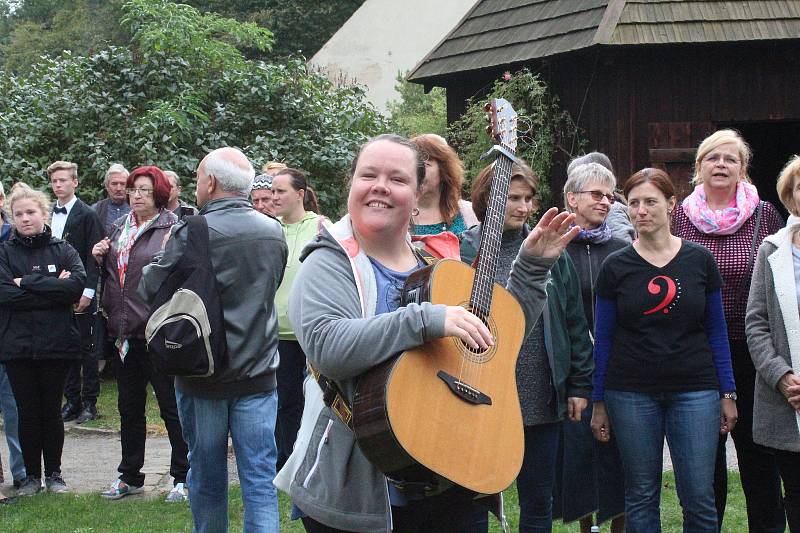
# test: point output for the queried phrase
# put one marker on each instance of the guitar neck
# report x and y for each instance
(491, 236)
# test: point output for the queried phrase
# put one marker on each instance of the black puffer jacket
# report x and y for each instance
(36, 318)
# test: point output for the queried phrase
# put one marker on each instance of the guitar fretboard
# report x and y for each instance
(491, 236)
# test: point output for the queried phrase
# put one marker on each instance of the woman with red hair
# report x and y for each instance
(134, 239)
(441, 207)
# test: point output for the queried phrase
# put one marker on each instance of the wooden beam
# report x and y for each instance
(609, 22)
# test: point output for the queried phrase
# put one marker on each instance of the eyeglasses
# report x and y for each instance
(142, 192)
(727, 159)
(598, 196)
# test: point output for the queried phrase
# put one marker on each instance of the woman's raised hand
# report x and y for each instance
(458, 322)
(101, 249)
(552, 234)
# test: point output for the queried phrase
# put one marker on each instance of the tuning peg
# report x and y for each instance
(488, 130)
(487, 107)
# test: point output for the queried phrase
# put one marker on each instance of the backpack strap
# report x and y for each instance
(751, 256)
(197, 239)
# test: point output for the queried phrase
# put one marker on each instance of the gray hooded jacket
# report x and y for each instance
(332, 308)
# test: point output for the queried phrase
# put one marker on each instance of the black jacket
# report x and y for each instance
(588, 258)
(83, 230)
(36, 318)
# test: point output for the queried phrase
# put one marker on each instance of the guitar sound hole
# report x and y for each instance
(479, 355)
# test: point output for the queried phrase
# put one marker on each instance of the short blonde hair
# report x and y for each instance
(270, 166)
(63, 165)
(786, 184)
(719, 138)
(25, 192)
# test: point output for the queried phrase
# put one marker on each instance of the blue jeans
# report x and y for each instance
(535, 480)
(8, 405)
(690, 422)
(250, 420)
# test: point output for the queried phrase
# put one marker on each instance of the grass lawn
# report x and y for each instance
(90, 513)
(109, 414)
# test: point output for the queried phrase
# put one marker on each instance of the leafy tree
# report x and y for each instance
(301, 27)
(543, 129)
(182, 89)
(417, 112)
(48, 27)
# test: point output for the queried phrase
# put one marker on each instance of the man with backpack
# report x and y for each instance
(247, 254)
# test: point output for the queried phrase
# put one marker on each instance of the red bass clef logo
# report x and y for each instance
(671, 289)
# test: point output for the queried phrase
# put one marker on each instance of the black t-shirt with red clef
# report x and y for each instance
(660, 343)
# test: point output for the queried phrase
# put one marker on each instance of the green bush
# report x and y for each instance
(183, 88)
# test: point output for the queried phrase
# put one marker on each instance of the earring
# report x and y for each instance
(415, 212)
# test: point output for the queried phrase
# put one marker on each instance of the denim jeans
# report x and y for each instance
(536, 478)
(250, 420)
(690, 422)
(8, 405)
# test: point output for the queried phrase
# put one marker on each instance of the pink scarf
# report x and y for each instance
(725, 221)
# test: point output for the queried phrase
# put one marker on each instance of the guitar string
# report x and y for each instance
(482, 295)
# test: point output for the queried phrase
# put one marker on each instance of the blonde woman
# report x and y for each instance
(41, 278)
(725, 214)
(771, 322)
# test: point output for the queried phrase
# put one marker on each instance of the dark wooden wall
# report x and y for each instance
(652, 105)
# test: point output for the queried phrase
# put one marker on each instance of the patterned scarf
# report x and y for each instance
(131, 231)
(725, 221)
(599, 235)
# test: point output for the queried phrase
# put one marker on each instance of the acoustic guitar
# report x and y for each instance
(445, 408)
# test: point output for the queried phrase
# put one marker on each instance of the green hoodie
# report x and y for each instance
(297, 236)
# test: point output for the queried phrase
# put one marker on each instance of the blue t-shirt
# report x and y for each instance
(390, 285)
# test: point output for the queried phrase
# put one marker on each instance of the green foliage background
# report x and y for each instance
(417, 112)
(181, 88)
(543, 130)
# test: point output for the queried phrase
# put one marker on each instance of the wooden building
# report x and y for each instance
(646, 79)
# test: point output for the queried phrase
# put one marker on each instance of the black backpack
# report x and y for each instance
(186, 332)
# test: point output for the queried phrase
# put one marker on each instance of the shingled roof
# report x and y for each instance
(501, 32)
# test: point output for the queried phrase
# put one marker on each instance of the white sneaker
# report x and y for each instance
(178, 493)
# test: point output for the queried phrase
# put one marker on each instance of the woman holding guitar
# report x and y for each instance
(554, 367)
(347, 316)
(663, 363)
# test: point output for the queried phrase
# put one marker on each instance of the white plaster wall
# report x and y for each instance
(384, 37)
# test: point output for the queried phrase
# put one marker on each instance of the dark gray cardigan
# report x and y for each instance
(772, 327)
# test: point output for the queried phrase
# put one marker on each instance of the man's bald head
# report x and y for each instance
(224, 172)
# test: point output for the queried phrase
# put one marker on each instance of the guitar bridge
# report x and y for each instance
(466, 392)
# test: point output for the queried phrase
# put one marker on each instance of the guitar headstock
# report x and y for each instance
(502, 122)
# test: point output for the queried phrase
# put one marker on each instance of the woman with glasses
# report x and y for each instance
(135, 238)
(725, 214)
(592, 480)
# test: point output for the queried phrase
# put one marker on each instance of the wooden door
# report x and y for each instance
(672, 147)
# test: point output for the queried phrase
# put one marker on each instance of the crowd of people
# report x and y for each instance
(646, 318)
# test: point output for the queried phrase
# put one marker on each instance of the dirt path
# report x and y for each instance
(90, 459)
